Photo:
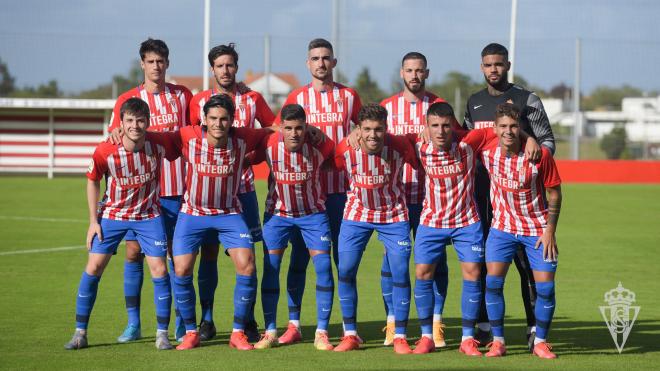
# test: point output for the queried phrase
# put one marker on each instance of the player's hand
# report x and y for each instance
(354, 139)
(424, 136)
(115, 135)
(242, 88)
(315, 134)
(94, 230)
(532, 150)
(550, 251)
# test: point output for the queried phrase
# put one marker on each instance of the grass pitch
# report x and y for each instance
(606, 234)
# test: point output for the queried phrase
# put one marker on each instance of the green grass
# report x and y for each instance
(606, 234)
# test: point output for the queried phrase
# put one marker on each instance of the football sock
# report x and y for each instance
(133, 277)
(163, 301)
(85, 300)
(295, 279)
(349, 262)
(400, 291)
(270, 289)
(184, 292)
(325, 288)
(244, 294)
(440, 283)
(207, 281)
(386, 286)
(545, 307)
(178, 320)
(470, 302)
(495, 304)
(424, 304)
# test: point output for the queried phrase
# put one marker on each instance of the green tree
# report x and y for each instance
(368, 88)
(605, 98)
(48, 90)
(614, 143)
(6, 80)
(452, 82)
(134, 77)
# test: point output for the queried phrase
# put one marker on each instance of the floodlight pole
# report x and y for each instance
(207, 36)
(577, 118)
(512, 37)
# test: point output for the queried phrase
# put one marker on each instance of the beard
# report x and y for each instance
(503, 80)
(417, 89)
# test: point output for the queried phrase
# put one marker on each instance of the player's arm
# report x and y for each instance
(339, 159)
(290, 99)
(187, 96)
(95, 172)
(548, 239)
(194, 117)
(264, 114)
(468, 124)
(532, 148)
(539, 122)
(171, 140)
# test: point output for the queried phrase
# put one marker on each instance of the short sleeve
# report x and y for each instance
(548, 169)
(98, 165)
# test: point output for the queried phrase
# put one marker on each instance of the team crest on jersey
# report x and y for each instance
(241, 107)
(90, 168)
(340, 104)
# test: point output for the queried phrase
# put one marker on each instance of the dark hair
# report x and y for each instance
(374, 112)
(222, 101)
(495, 49)
(319, 43)
(221, 50)
(440, 109)
(135, 106)
(413, 55)
(154, 46)
(508, 110)
(293, 112)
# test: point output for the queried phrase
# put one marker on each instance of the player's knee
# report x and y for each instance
(181, 269)
(133, 252)
(424, 271)
(471, 271)
(157, 268)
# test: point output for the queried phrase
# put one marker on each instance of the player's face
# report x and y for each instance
(134, 126)
(224, 69)
(320, 62)
(154, 67)
(293, 133)
(414, 75)
(495, 68)
(217, 121)
(372, 135)
(508, 131)
(440, 131)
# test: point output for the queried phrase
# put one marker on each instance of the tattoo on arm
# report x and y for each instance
(554, 207)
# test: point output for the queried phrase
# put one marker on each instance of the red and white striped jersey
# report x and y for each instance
(517, 189)
(213, 175)
(331, 111)
(405, 117)
(132, 178)
(449, 184)
(249, 106)
(294, 184)
(376, 193)
(168, 111)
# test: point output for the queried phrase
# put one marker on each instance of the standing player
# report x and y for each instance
(376, 201)
(480, 113)
(168, 107)
(407, 115)
(132, 169)
(330, 107)
(296, 202)
(250, 107)
(521, 217)
(214, 154)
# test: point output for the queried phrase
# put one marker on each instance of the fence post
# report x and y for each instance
(51, 143)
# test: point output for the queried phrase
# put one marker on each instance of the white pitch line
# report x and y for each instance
(36, 251)
(37, 219)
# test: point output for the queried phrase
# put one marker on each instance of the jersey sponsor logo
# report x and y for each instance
(410, 128)
(445, 171)
(214, 170)
(509, 184)
(371, 181)
(484, 124)
(160, 122)
(283, 177)
(325, 119)
(160, 243)
(135, 181)
(325, 238)
(403, 243)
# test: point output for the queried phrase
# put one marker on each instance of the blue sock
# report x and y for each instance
(440, 283)
(400, 291)
(495, 304)
(325, 288)
(133, 277)
(349, 261)
(545, 307)
(424, 303)
(295, 279)
(178, 320)
(163, 301)
(185, 298)
(386, 286)
(470, 304)
(207, 282)
(270, 289)
(87, 290)
(244, 294)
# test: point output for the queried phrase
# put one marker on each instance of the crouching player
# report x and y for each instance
(521, 216)
(214, 153)
(376, 201)
(296, 201)
(131, 203)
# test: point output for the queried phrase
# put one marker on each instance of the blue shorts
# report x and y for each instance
(169, 210)
(150, 234)
(250, 207)
(501, 246)
(354, 236)
(431, 243)
(191, 230)
(314, 228)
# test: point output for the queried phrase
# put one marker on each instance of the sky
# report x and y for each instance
(83, 43)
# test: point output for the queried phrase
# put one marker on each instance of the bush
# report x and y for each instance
(614, 143)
